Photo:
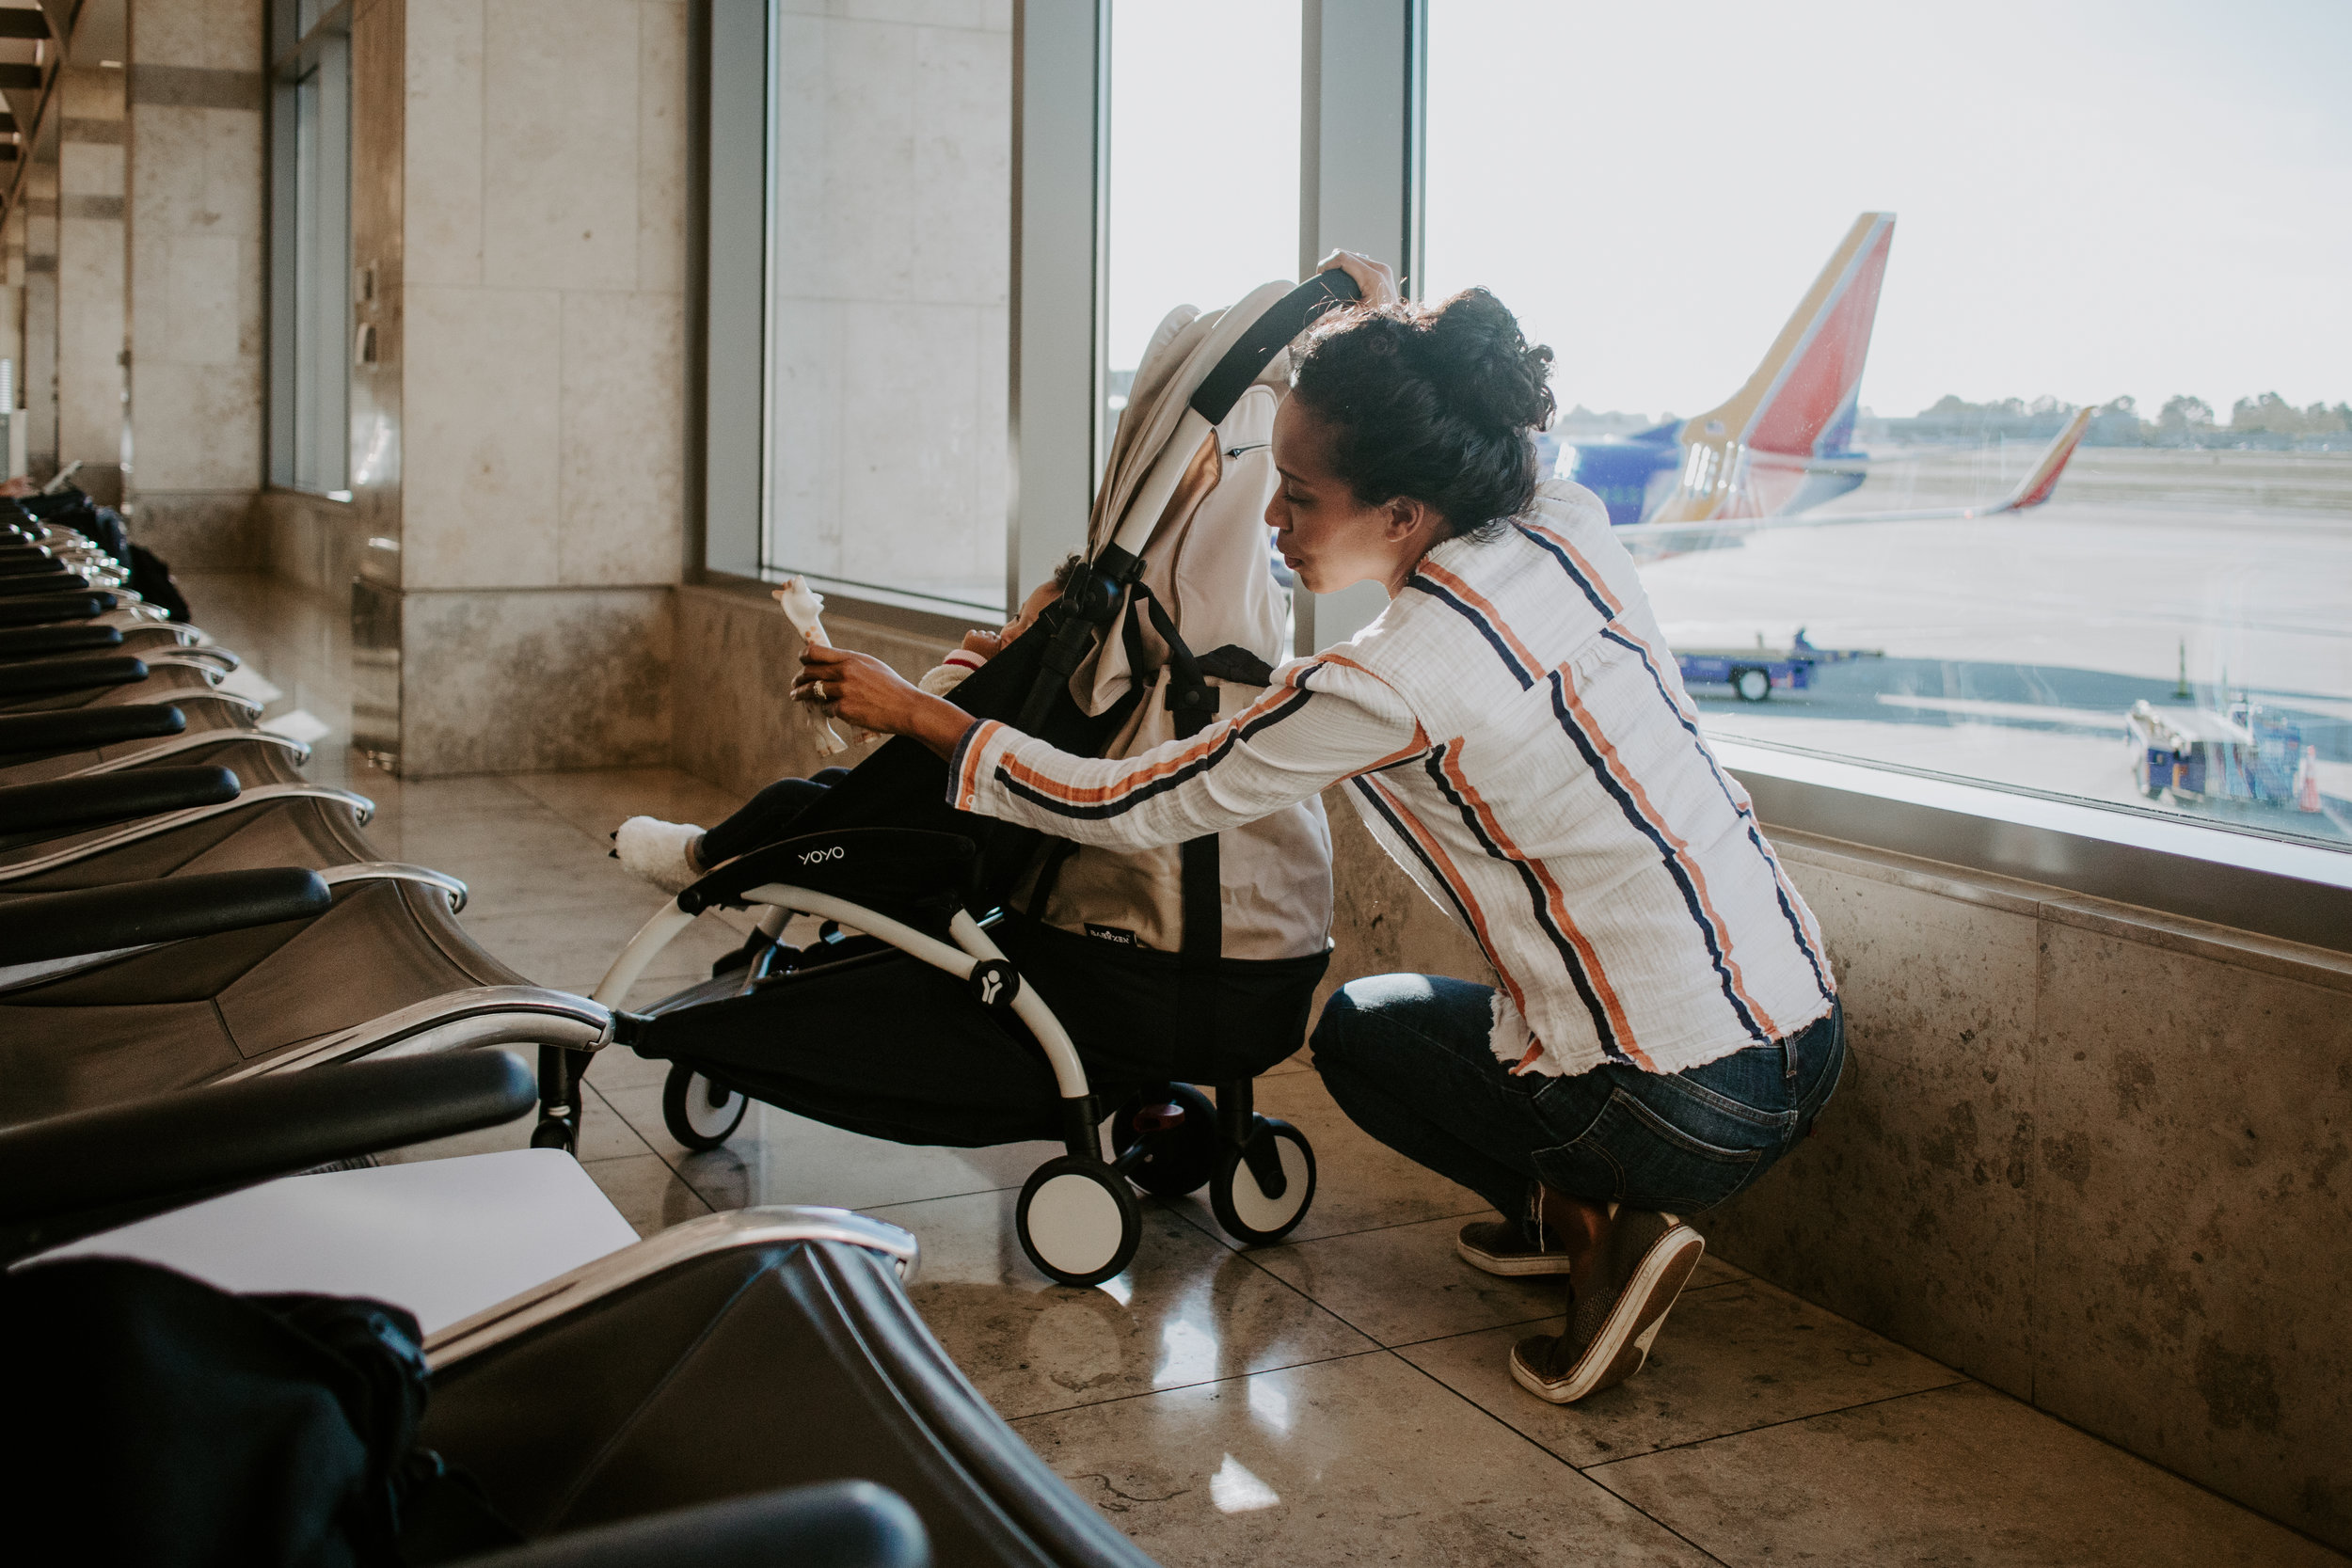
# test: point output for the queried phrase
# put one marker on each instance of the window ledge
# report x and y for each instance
(2226, 876)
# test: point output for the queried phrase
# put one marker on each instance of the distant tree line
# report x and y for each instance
(2266, 423)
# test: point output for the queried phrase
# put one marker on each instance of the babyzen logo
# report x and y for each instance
(819, 857)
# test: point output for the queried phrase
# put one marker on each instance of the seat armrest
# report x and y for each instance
(842, 1523)
(44, 926)
(39, 641)
(125, 796)
(40, 610)
(41, 579)
(73, 1175)
(78, 729)
(44, 676)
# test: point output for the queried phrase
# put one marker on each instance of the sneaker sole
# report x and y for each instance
(1622, 1346)
(1521, 1266)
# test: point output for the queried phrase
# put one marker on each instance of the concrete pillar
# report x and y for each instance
(90, 284)
(196, 184)
(40, 206)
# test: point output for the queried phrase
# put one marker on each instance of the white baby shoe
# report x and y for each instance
(659, 852)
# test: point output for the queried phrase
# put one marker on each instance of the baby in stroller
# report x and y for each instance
(978, 984)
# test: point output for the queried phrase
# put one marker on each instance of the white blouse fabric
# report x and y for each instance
(1514, 731)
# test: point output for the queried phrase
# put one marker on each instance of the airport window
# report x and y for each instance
(889, 254)
(1964, 391)
(1203, 191)
(311, 317)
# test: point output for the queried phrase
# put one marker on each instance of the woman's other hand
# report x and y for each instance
(868, 693)
(1374, 279)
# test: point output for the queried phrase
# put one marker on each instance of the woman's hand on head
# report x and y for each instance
(867, 692)
(1375, 280)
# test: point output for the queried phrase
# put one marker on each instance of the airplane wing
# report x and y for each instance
(2031, 491)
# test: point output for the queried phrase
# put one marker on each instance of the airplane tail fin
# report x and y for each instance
(1800, 400)
(2036, 487)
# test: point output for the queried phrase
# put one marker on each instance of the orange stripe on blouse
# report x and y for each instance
(1616, 605)
(1094, 795)
(1557, 903)
(1455, 883)
(1614, 760)
(1478, 602)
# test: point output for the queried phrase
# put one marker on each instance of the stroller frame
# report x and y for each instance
(1078, 1218)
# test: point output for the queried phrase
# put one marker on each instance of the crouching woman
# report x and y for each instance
(1662, 1024)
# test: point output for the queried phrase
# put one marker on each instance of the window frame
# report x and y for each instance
(319, 389)
(1361, 179)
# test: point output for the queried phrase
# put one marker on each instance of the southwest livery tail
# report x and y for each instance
(1779, 438)
(2036, 487)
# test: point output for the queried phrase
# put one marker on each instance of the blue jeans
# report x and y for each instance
(1406, 1056)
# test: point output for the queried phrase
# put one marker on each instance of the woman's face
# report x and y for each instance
(1330, 539)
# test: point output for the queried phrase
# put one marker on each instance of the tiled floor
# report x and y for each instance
(1341, 1398)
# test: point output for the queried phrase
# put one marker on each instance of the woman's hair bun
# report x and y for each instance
(1438, 403)
(1473, 347)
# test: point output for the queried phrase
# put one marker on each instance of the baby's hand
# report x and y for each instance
(988, 644)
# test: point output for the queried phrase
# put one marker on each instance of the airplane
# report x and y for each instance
(1780, 447)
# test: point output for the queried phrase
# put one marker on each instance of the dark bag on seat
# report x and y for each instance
(162, 1422)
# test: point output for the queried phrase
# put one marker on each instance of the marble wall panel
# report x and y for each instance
(665, 161)
(444, 144)
(2197, 1178)
(211, 35)
(521, 681)
(623, 457)
(732, 718)
(203, 530)
(205, 278)
(480, 459)
(198, 427)
(558, 208)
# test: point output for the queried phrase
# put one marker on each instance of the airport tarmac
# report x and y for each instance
(2014, 645)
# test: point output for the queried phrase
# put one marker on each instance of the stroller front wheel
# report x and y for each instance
(1260, 1192)
(1078, 1220)
(699, 1112)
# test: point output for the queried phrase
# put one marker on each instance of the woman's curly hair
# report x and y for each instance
(1435, 403)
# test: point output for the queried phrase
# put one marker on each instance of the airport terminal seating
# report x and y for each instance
(172, 949)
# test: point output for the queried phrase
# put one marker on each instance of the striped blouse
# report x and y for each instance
(1514, 731)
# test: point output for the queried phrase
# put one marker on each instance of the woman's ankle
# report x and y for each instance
(1581, 1226)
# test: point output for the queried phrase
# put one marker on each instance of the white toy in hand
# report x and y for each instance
(802, 606)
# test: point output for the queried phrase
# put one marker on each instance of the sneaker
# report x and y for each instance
(1616, 1312)
(1500, 1246)
(659, 852)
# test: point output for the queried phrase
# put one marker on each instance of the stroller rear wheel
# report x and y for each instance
(699, 1110)
(1262, 1190)
(1176, 1159)
(1078, 1220)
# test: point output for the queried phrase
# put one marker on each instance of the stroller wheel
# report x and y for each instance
(1179, 1159)
(1261, 1192)
(699, 1112)
(1078, 1220)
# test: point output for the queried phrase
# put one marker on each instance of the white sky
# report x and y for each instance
(2094, 198)
(1204, 157)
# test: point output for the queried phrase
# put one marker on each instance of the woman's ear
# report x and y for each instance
(1403, 518)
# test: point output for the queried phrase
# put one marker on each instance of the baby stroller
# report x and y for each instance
(1177, 536)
